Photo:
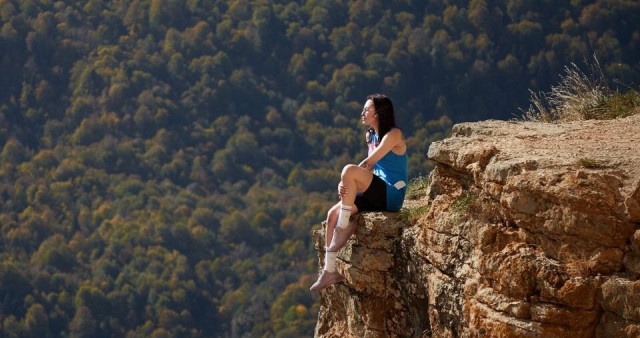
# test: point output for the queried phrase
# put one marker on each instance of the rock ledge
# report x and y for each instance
(531, 229)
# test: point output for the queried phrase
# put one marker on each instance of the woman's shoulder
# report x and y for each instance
(397, 139)
(395, 133)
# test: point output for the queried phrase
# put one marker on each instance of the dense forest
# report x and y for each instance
(163, 162)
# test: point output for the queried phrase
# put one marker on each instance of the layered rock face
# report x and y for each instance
(526, 230)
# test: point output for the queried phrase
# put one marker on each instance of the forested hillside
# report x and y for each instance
(163, 161)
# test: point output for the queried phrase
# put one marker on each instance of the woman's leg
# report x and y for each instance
(332, 220)
(355, 179)
(329, 275)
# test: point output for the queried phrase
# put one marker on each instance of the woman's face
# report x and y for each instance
(368, 114)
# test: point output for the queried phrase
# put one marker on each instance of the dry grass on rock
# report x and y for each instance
(580, 96)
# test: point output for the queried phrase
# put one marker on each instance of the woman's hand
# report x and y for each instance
(342, 190)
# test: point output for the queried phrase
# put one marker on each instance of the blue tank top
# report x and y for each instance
(392, 168)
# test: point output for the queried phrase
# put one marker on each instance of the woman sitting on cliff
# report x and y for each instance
(378, 183)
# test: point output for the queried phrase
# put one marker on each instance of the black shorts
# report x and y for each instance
(374, 198)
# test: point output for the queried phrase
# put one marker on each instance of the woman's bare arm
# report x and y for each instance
(390, 140)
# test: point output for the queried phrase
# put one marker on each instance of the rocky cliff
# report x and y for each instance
(526, 230)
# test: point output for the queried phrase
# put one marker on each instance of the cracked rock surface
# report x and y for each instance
(527, 230)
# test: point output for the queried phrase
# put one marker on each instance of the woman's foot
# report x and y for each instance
(326, 279)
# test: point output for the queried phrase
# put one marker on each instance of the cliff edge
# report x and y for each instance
(527, 229)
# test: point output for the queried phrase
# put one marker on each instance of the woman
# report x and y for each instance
(378, 183)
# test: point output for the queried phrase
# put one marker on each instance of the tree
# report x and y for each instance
(11, 327)
(55, 254)
(82, 325)
(13, 153)
(14, 287)
(235, 227)
(36, 321)
(94, 300)
(159, 14)
(478, 13)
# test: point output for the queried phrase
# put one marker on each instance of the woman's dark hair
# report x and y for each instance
(385, 113)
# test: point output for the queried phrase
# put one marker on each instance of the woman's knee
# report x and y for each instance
(348, 170)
